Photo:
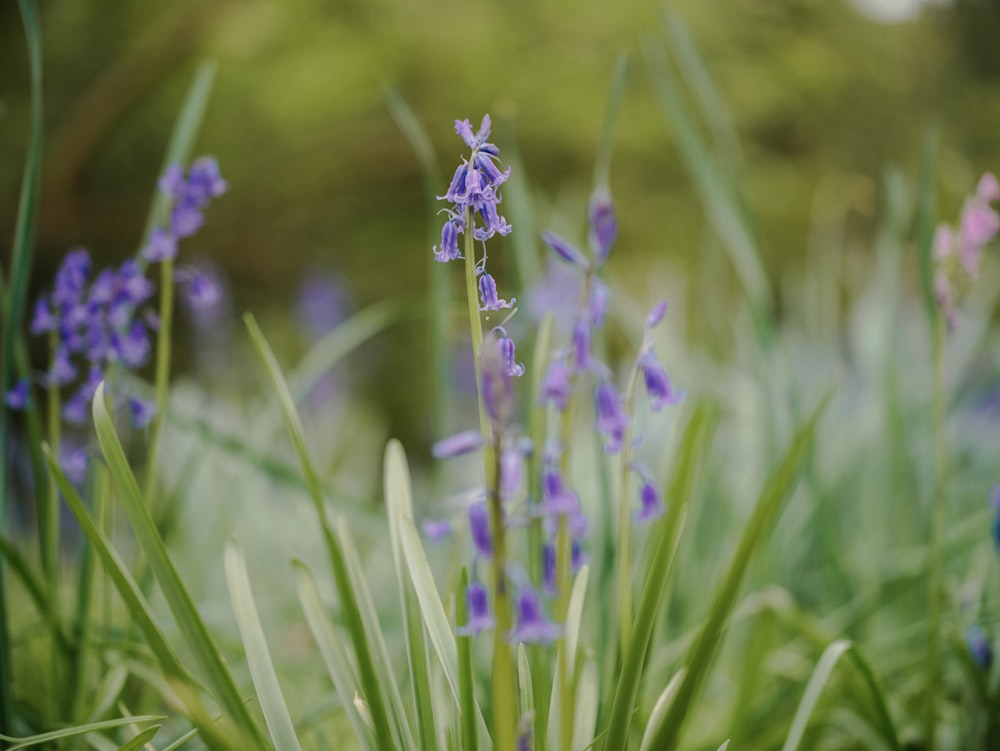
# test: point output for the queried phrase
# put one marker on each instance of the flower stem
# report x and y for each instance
(624, 552)
(48, 527)
(162, 377)
(935, 605)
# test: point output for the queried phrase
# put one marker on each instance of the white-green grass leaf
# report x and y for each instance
(262, 672)
(181, 740)
(93, 727)
(660, 709)
(587, 703)
(140, 739)
(189, 622)
(466, 678)
(338, 664)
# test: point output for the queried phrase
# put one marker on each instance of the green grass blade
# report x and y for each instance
(338, 665)
(585, 708)
(817, 682)
(93, 727)
(660, 709)
(182, 740)
(436, 621)
(29, 580)
(926, 218)
(342, 578)
(693, 446)
(399, 505)
(526, 696)
(466, 679)
(605, 145)
(181, 142)
(189, 622)
(262, 672)
(141, 739)
(770, 501)
(711, 187)
(574, 614)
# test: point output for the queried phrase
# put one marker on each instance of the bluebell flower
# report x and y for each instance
(565, 250)
(201, 290)
(321, 304)
(511, 469)
(658, 385)
(449, 241)
(581, 345)
(557, 499)
(480, 618)
(652, 504)
(42, 320)
(556, 387)
(479, 528)
(142, 411)
(71, 278)
(549, 572)
(62, 371)
(456, 445)
(505, 346)
(532, 625)
(131, 347)
(437, 529)
(490, 300)
(980, 649)
(73, 462)
(162, 246)
(611, 418)
(497, 385)
(603, 225)
(656, 315)
(19, 395)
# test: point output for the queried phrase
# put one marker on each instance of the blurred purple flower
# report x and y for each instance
(18, 396)
(479, 528)
(658, 385)
(611, 418)
(437, 529)
(603, 225)
(480, 618)
(456, 445)
(532, 625)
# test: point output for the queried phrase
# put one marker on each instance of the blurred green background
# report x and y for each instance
(823, 96)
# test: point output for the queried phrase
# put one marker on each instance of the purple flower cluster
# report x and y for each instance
(102, 320)
(957, 253)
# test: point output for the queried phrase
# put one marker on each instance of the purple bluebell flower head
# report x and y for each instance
(565, 250)
(19, 395)
(995, 498)
(603, 225)
(661, 391)
(497, 386)
(488, 295)
(656, 315)
(449, 242)
(597, 305)
(172, 181)
(556, 387)
(321, 303)
(458, 444)
(73, 462)
(557, 499)
(479, 528)
(71, 278)
(42, 320)
(142, 411)
(201, 290)
(505, 346)
(76, 409)
(652, 504)
(102, 291)
(186, 218)
(205, 180)
(62, 370)
(162, 246)
(980, 649)
(532, 625)
(131, 347)
(132, 286)
(611, 418)
(480, 617)
(437, 529)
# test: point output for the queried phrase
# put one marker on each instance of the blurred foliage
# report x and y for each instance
(822, 98)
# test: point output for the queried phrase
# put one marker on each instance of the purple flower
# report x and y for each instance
(611, 418)
(581, 345)
(201, 291)
(102, 291)
(479, 528)
(142, 411)
(661, 391)
(565, 250)
(42, 320)
(162, 246)
(980, 649)
(449, 242)
(488, 295)
(205, 180)
(652, 505)
(597, 305)
(511, 469)
(321, 304)
(480, 618)
(172, 182)
(71, 278)
(505, 346)
(62, 370)
(556, 387)
(131, 285)
(186, 218)
(656, 315)
(497, 386)
(437, 529)
(603, 225)
(549, 569)
(131, 347)
(457, 445)
(73, 462)
(557, 499)
(532, 625)
(19, 396)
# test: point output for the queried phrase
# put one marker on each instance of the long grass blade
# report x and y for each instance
(189, 622)
(660, 709)
(341, 575)
(140, 739)
(772, 497)
(399, 505)
(73, 732)
(262, 672)
(338, 664)
(466, 679)
(605, 145)
(693, 446)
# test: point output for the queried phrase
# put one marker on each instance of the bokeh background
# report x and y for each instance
(823, 97)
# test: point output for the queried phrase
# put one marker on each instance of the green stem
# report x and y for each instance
(624, 552)
(935, 605)
(162, 377)
(48, 524)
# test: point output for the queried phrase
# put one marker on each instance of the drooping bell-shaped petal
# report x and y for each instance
(581, 345)
(19, 395)
(505, 346)
(489, 299)
(480, 617)
(603, 225)
(980, 648)
(143, 412)
(565, 250)
(597, 305)
(549, 569)
(448, 250)
(652, 505)
(532, 625)
(557, 387)
(656, 315)
(456, 445)
(658, 385)
(62, 370)
(611, 418)
(42, 319)
(479, 529)
(437, 529)
(162, 246)
(557, 499)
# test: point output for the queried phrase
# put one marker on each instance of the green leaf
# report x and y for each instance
(140, 740)
(93, 727)
(605, 145)
(399, 505)
(338, 665)
(585, 709)
(660, 709)
(772, 497)
(185, 614)
(182, 740)
(29, 580)
(262, 672)
(693, 446)
(466, 678)
(341, 576)
(574, 613)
